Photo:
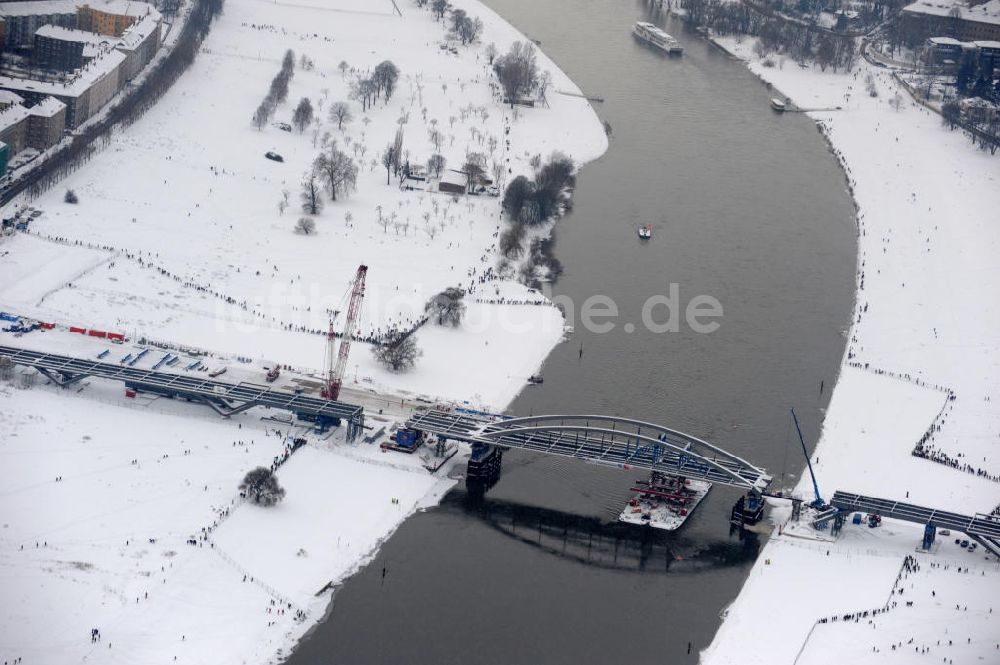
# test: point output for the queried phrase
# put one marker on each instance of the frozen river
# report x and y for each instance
(748, 207)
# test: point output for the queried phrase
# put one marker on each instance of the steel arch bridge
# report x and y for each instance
(603, 440)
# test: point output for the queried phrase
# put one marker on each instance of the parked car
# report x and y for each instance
(274, 157)
(283, 126)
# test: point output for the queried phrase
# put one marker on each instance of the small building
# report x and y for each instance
(978, 110)
(452, 181)
(46, 123)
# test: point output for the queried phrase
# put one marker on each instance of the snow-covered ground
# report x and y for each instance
(925, 328)
(178, 237)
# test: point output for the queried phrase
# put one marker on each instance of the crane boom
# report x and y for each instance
(335, 372)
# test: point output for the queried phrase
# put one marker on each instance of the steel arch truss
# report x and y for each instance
(604, 440)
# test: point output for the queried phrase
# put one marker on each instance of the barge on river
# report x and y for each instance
(664, 501)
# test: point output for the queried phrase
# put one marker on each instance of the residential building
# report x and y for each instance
(112, 17)
(46, 123)
(8, 98)
(66, 49)
(4, 158)
(953, 18)
(23, 19)
(14, 128)
(84, 94)
(139, 43)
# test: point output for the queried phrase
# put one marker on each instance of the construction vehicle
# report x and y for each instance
(336, 363)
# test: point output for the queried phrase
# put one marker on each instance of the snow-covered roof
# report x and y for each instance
(12, 115)
(987, 44)
(90, 73)
(38, 8)
(8, 97)
(988, 12)
(71, 35)
(945, 41)
(122, 7)
(139, 30)
(47, 108)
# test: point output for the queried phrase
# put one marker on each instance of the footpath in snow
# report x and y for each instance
(920, 373)
(122, 514)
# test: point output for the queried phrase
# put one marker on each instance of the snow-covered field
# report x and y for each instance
(178, 237)
(187, 191)
(925, 328)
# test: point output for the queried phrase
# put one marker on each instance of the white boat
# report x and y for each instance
(664, 502)
(646, 232)
(778, 105)
(654, 35)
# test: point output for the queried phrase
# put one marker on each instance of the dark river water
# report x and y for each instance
(747, 207)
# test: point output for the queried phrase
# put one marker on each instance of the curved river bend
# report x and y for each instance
(747, 206)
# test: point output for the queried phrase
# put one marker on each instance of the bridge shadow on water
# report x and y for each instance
(593, 542)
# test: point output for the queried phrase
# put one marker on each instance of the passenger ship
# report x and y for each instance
(652, 34)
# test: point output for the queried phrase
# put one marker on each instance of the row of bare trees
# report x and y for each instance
(277, 93)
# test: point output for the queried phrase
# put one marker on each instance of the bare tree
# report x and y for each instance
(363, 90)
(288, 62)
(305, 226)
(343, 67)
(303, 114)
(474, 169)
(261, 487)
(312, 197)
(436, 164)
(399, 354)
(465, 27)
(517, 71)
(446, 308)
(340, 112)
(511, 239)
(389, 160)
(491, 52)
(440, 8)
(262, 115)
(338, 170)
(283, 203)
(385, 76)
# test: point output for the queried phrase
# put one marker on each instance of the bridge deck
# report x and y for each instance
(978, 525)
(189, 386)
(601, 440)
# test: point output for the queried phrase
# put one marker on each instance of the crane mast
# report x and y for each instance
(337, 363)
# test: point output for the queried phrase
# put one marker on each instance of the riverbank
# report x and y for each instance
(178, 235)
(919, 374)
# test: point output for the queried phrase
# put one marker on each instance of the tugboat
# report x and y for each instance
(646, 232)
(664, 501)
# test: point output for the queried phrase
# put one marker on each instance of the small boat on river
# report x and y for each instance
(646, 232)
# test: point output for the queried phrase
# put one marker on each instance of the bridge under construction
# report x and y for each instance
(224, 397)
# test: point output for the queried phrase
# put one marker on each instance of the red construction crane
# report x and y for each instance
(336, 363)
